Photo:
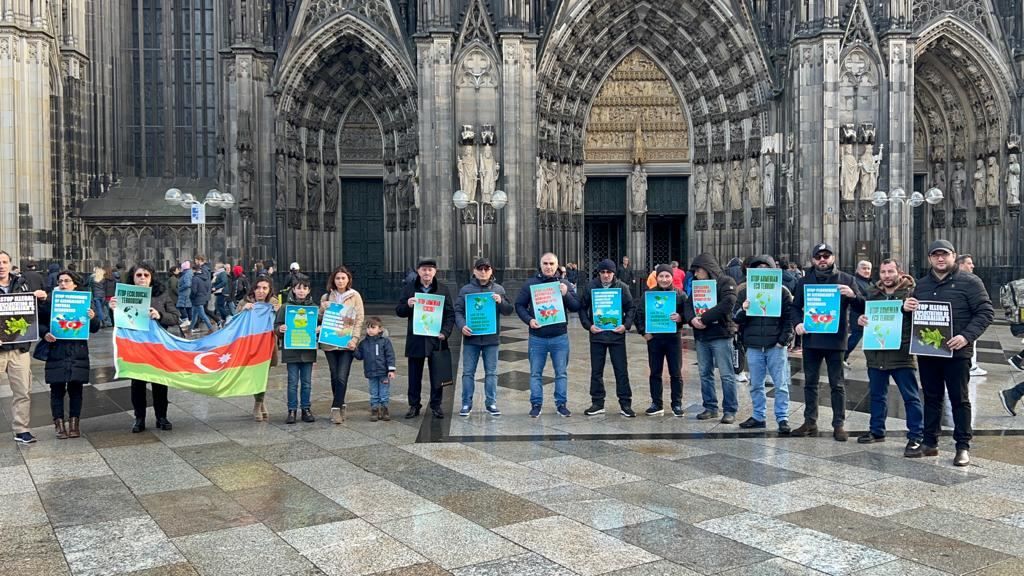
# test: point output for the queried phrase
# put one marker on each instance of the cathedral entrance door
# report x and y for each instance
(666, 241)
(362, 236)
(603, 238)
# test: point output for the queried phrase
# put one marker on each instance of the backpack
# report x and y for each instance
(1011, 297)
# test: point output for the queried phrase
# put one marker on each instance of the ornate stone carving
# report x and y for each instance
(565, 188)
(717, 187)
(551, 185)
(849, 172)
(736, 220)
(938, 217)
(376, 11)
(489, 169)
(992, 189)
(477, 70)
(406, 201)
(769, 181)
(579, 181)
(361, 140)
(735, 185)
(869, 162)
(753, 184)
(847, 211)
(1013, 181)
(280, 182)
(979, 183)
(541, 177)
(638, 191)
(700, 189)
(468, 171)
(957, 189)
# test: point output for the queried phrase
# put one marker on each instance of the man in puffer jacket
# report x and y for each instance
(893, 284)
(827, 348)
(972, 314)
(712, 332)
(766, 340)
(665, 347)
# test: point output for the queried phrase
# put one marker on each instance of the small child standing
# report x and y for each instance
(300, 361)
(378, 356)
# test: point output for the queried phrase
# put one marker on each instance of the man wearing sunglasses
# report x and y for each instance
(972, 314)
(476, 345)
(827, 348)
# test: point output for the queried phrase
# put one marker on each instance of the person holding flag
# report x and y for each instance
(261, 293)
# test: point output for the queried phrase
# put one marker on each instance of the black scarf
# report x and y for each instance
(824, 274)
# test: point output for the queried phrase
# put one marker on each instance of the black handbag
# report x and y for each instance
(441, 372)
(42, 350)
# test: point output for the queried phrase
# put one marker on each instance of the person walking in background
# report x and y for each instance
(173, 277)
(712, 333)
(242, 284)
(339, 360)
(67, 364)
(52, 271)
(300, 361)
(221, 294)
(678, 276)
(98, 287)
(863, 283)
(379, 367)
(625, 273)
(573, 274)
(608, 343)
(966, 264)
(475, 346)
(185, 294)
(200, 294)
(33, 278)
(664, 348)
(418, 348)
(261, 293)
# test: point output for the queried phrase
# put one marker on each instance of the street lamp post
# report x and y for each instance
(498, 201)
(214, 198)
(898, 196)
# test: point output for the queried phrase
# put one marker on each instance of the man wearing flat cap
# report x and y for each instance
(827, 348)
(418, 348)
(610, 342)
(972, 313)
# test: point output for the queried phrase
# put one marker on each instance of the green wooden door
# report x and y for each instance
(362, 236)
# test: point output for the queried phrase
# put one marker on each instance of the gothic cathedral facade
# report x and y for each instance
(654, 129)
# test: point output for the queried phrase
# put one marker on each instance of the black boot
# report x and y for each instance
(163, 423)
(413, 412)
(307, 415)
(139, 426)
(291, 417)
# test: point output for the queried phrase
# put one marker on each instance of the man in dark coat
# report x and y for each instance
(893, 284)
(52, 271)
(972, 314)
(608, 342)
(827, 348)
(625, 274)
(666, 347)
(712, 332)
(33, 279)
(863, 284)
(418, 348)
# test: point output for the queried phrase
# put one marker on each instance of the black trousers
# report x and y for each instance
(939, 376)
(340, 364)
(139, 399)
(74, 392)
(617, 351)
(812, 371)
(416, 383)
(659, 351)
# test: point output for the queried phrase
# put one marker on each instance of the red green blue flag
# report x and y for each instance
(233, 361)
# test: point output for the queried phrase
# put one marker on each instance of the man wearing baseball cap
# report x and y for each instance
(827, 348)
(610, 342)
(972, 314)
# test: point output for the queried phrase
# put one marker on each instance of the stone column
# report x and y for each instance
(519, 148)
(901, 147)
(437, 144)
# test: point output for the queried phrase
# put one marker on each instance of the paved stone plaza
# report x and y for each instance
(222, 494)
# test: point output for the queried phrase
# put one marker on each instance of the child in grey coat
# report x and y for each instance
(378, 356)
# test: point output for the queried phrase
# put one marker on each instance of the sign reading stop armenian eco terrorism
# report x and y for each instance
(548, 307)
(764, 290)
(427, 314)
(821, 308)
(69, 315)
(885, 324)
(18, 318)
(931, 329)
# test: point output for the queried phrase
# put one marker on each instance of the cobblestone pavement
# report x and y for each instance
(222, 494)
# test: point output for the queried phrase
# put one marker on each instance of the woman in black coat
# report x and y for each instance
(165, 312)
(67, 363)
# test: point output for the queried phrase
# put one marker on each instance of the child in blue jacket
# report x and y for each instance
(378, 356)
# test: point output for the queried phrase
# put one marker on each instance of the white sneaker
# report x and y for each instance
(742, 377)
(846, 364)
(978, 371)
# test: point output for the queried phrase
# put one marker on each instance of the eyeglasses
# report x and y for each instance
(142, 274)
(823, 256)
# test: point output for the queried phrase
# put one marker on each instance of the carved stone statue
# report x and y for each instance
(565, 188)
(847, 134)
(939, 176)
(736, 186)
(542, 201)
(313, 181)
(754, 184)
(769, 181)
(1013, 181)
(959, 181)
(298, 184)
(869, 162)
(281, 182)
(331, 189)
(849, 173)
(718, 187)
(415, 168)
(468, 173)
(638, 191)
(489, 168)
(979, 184)
(992, 190)
(405, 199)
(551, 185)
(579, 180)
(244, 176)
(700, 190)
(390, 188)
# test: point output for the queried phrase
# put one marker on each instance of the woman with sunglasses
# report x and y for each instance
(165, 312)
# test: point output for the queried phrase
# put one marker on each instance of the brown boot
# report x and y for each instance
(840, 434)
(335, 415)
(257, 411)
(373, 414)
(384, 414)
(73, 430)
(808, 428)
(263, 410)
(58, 425)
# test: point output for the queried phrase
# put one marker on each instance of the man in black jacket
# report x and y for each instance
(893, 284)
(610, 342)
(766, 340)
(825, 347)
(712, 332)
(15, 360)
(624, 273)
(418, 348)
(551, 339)
(667, 347)
(972, 313)
(863, 284)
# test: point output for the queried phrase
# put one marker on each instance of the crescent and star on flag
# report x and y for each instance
(222, 361)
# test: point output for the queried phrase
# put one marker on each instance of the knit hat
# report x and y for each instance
(186, 265)
(606, 264)
(237, 271)
(662, 268)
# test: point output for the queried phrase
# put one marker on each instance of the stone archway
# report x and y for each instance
(708, 52)
(342, 62)
(963, 114)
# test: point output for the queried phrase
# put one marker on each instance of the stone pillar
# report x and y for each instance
(830, 142)
(519, 151)
(901, 147)
(437, 144)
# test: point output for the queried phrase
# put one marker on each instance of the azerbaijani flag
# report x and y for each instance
(233, 361)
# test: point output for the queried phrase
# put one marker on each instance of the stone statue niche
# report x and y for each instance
(489, 166)
(467, 164)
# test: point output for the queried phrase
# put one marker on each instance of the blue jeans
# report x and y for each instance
(380, 392)
(199, 313)
(712, 353)
(470, 355)
(539, 349)
(299, 371)
(906, 382)
(223, 307)
(774, 361)
(99, 307)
